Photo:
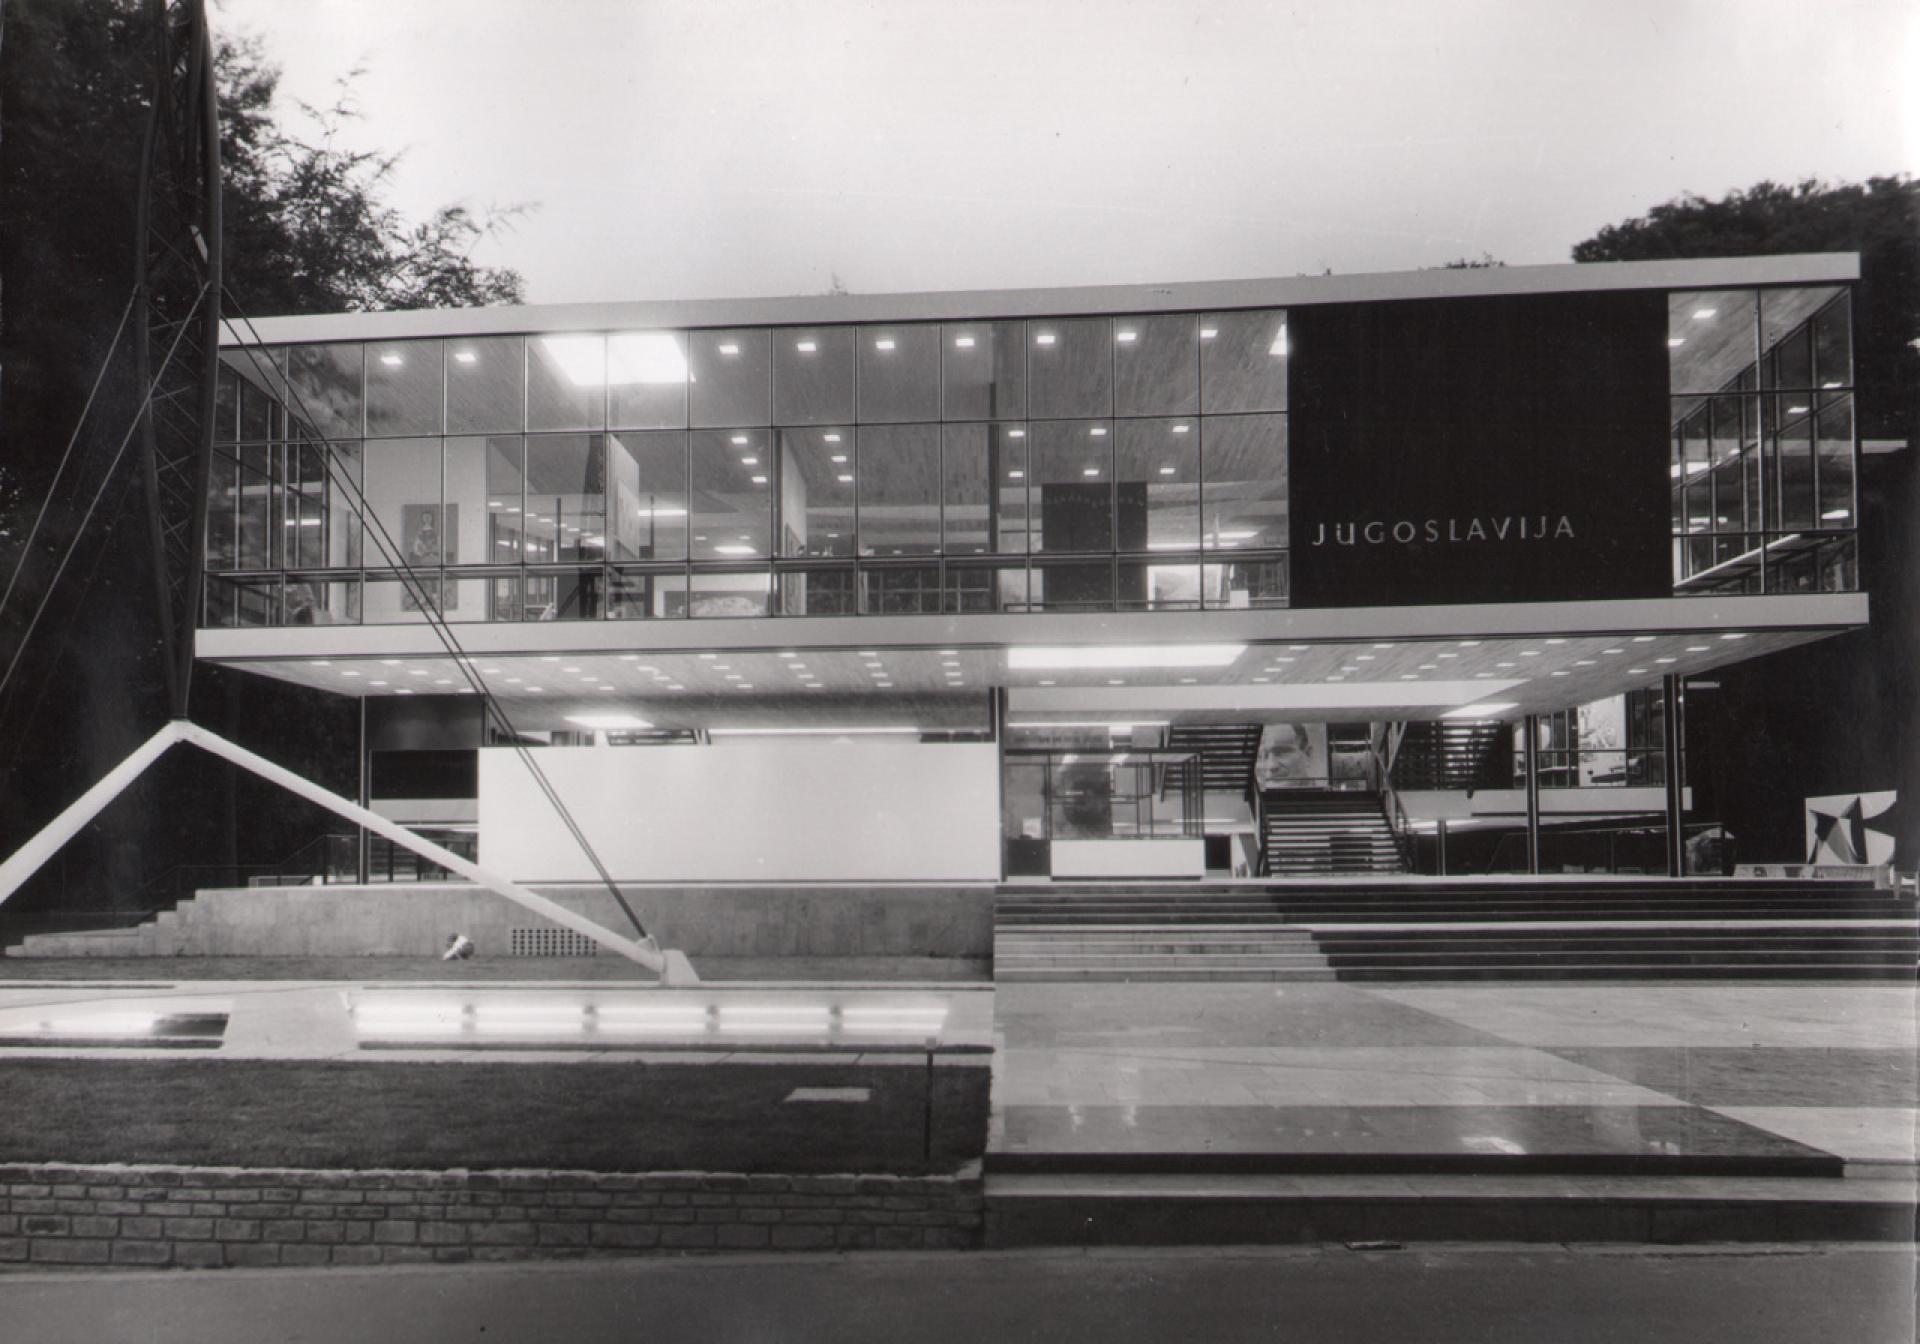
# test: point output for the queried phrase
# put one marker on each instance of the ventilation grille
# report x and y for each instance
(551, 943)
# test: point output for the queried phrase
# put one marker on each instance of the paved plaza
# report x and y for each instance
(1800, 1075)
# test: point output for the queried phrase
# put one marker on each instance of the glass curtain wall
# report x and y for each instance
(1134, 463)
(1763, 450)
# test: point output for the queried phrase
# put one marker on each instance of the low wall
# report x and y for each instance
(205, 1218)
(718, 921)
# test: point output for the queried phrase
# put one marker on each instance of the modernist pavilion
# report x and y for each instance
(1388, 573)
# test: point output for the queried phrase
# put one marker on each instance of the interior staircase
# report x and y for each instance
(1325, 832)
(1415, 929)
(1226, 750)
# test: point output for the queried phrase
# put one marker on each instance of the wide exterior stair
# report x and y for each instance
(1326, 832)
(1115, 931)
(1416, 929)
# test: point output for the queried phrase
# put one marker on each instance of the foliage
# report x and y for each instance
(305, 225)
(1879, 219)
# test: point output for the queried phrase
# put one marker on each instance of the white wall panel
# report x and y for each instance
(751, 810)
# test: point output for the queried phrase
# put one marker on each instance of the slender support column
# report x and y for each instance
(1531, 758)
(363, 838)
(1672, 748)
(1440, 845)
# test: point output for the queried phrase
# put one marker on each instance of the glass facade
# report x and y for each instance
(992, 466)
(1131, 463)
(1763, 450)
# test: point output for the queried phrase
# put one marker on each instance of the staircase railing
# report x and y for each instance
(1398, 823)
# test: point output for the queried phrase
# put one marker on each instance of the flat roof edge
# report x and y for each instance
(1094, 300)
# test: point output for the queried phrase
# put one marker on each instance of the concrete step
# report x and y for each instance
(1032, 1210)
(95, 943)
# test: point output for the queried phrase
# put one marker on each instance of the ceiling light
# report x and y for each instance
(1098, 431)
(403, 691)
(1481, 711)
(349, 672)
(1125, 656)
(376, 683)
(1738, 636)
(1279, 346)
(1167, 471)
(1702, 314)
(1126, 337)
(740, 440)
(1635, 671)
(1696, 648)
(759, 480)
(884, 343)
(831, 438)
(749, 461)
(1089, 471)
(729, 348)
(1834, 515)
(1469, 643)
(1044, 338)
(1016, 475)
(846, 478)
(1016, 433)
(1208, 333)
(1643, 639)
(732, 548)
(1675, 342)
(1583, 662)
(1666, 660)
(464, 356)
(709, 657)
(861, 731)
(838, 458)
(963, 342)
(805, 347)
(392, 360)
(608, 722)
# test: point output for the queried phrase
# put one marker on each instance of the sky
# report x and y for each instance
(720, 148)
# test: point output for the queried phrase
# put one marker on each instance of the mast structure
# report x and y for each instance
(177, 346)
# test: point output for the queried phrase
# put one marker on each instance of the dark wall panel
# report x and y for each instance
(1434, 441)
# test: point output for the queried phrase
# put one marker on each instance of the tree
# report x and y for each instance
(306, 228)
(1879, 219)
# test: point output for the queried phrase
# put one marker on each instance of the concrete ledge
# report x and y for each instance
(947, 921)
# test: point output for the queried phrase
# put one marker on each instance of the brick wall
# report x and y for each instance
(207, 1217)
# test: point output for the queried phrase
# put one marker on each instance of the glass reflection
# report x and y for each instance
(1070, 367)
(647, 485)
(816, 491)
(567, 381)
(487, 385)
(1244, 481)
(899, 488)
(731, 374)
(403, 388)
(646, 380)
(731, 509)
(812, 375)
(899, 373)
(566, 508)
(984, 370)
(1071, 485)
(1243, 361)
(1156, 364)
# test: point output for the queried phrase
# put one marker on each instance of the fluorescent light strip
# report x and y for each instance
(1125, 656)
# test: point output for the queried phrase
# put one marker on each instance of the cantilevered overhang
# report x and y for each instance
(956, 305)
(1379, 662)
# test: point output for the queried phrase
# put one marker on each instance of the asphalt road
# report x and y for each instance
(1434, 1295)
